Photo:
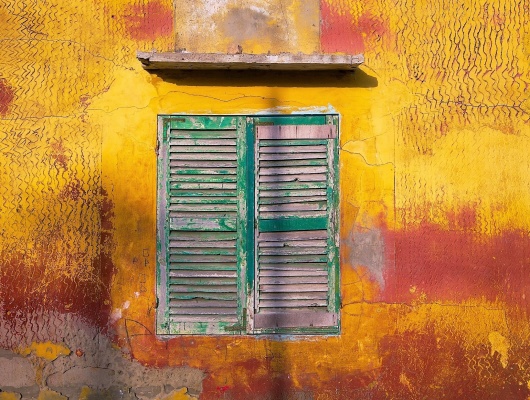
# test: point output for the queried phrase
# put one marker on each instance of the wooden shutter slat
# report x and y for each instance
(292, 193)
(297, 214)
(232, 207)
(296, 132)
(203, 134)
(292, 142)
(293, 170)
(195, 281)
(203, 265)
(297, 243)
(291, 280)
(307, 206)
(292, 235)
(190, 297)
(202, 289)
(202, 186)
(295, 320)
(292, 186)
(203, 224)
(292, 272)
(285, 251)
(288, 200)
(202, 151)
(203, 251)
(292, 156)
(206, 157)
(202, 214)
(295, 296)
(297, 287)
(194, 163)
(196, 311)
(204, 200)
(281, 259)
(204, 303)
(193, 258)
(203, 236)
(289, 162)
(290, 303)
(179, 142)
(194, 243)
(201, 320)
(203, 193)
(292, 178)
(295, 266)
(202, 274)
(203, 178)
(292, 149)
(202, 171)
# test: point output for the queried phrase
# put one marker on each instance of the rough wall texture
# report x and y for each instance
(435, 199)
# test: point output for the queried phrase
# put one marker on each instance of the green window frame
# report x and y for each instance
(247, 224)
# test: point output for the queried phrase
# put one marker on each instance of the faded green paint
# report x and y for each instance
(189, 186)
(292, 224)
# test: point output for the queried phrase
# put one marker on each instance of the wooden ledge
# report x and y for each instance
(277, 62)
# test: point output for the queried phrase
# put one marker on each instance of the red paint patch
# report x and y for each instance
(6, 97)
(342, 34)
(84, 100)
(426, 366)
(59, 154)
(30, 285)
(148, 22)
(73, 190)
(338, 33)
(458, 264)
(373, 27)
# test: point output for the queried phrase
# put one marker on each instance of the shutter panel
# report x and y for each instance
(202, 225)
(296, 249)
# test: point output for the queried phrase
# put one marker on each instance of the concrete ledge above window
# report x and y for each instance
(278, 62)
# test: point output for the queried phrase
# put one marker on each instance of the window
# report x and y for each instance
(247, 224)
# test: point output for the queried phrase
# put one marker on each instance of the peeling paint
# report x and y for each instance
(499, 344)
(434, 199)
(6, 97)
(46, 350)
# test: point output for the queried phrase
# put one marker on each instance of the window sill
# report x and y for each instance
(277, 62)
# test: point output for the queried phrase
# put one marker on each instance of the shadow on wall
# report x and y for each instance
(342, 79)
(271, 375)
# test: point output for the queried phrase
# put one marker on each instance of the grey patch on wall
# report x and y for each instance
(250, 24)
(17, 374)
(97, 365)
(367, 248)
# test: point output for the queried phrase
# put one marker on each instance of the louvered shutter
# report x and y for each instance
(296, 236)
(202, 175)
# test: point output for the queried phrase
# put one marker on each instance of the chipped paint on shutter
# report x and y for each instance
(202, 219)
(295, 238)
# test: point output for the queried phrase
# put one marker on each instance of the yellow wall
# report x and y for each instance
(434, 183)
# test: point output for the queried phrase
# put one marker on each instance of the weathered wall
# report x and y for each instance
(435, 198)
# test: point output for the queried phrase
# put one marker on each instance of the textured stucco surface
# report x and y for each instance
(434, 189)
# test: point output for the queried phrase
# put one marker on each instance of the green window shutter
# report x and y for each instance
(296, 272)
(201, 204)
